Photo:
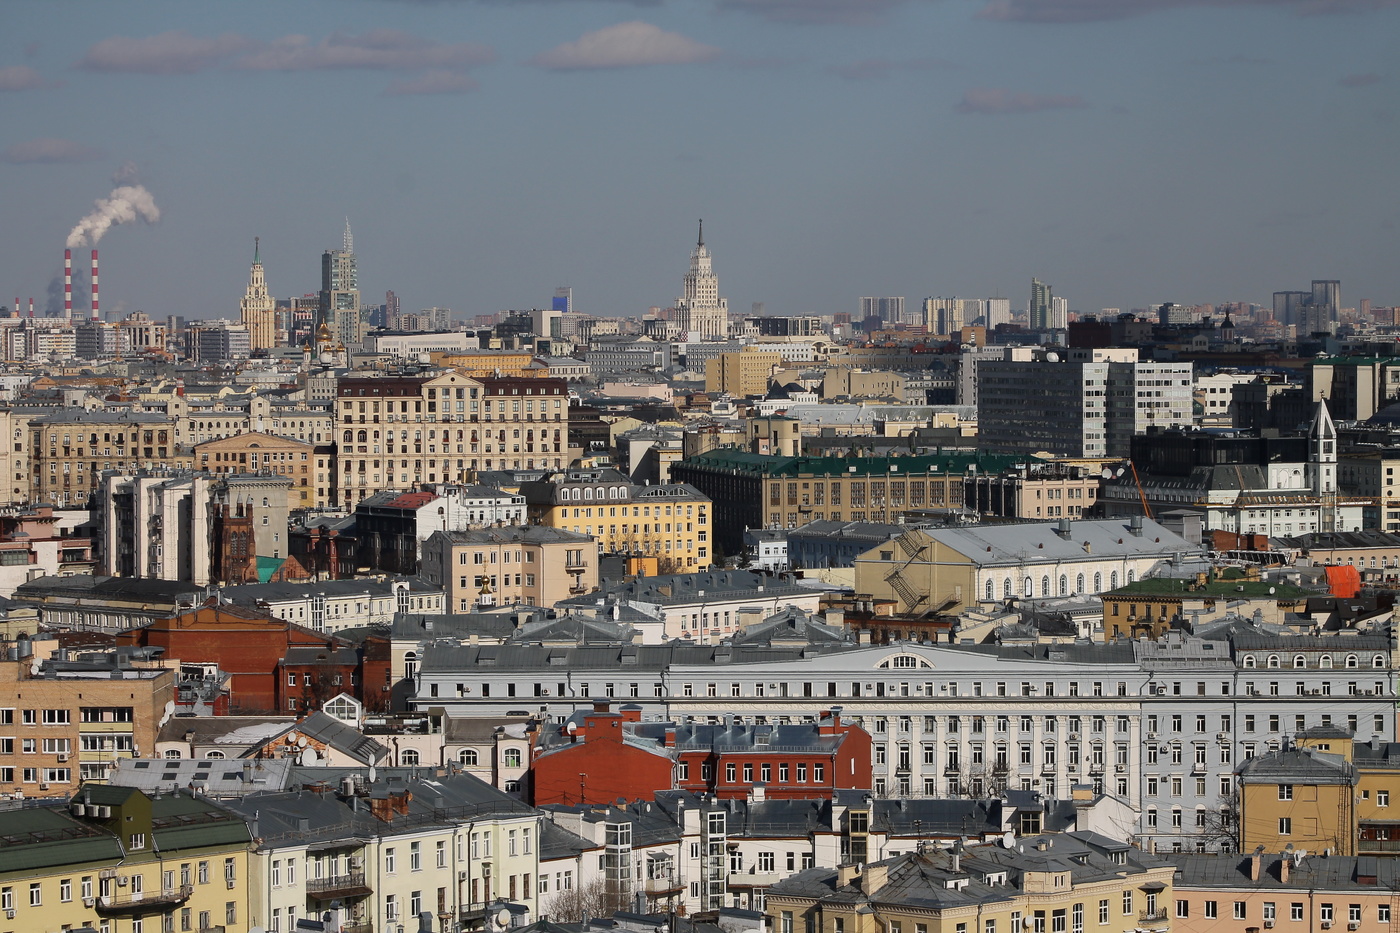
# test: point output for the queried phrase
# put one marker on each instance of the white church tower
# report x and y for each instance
(1322, 465)
(701, 312)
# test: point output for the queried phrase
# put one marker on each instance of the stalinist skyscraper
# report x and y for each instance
(701, 310)
(259, 314)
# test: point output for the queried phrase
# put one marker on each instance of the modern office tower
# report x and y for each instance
(563, 301)
(889, 310)
(215, 341)
(1077, 403)
(339, 298)
(997, 311)
(1042, 307)
(700, 310)
(1059, 312)
(1323, 306)
(391, 310)
(1288, 306)
(257, 309)
(950, 315)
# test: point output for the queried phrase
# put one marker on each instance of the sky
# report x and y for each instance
(1127, 152)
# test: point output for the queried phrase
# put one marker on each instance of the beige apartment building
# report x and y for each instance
(69, 450)
(310, 469)
(528, 564)
(670, 522)
(743, 373)
(59, 730)
(397, 431)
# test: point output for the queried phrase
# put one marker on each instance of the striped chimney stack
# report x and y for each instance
(95, 315)
(68, 284)
(31, 307)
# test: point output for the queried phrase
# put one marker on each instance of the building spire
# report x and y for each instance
(349, 240)
(255, 250)
(701, 241)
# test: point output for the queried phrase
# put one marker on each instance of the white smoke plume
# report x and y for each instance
(123, 206)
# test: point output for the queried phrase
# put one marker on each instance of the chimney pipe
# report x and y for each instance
(31, 307)
(95, 315)
(68, 284)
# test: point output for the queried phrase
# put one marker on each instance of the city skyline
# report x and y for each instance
(484, 154)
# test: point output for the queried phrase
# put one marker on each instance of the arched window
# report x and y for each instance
(1064, 585)
(467, 757)
(1006, 588)
(1325, 661)
(1079, 583)
(1249, 662)
(1113, 581)
(1353, 661)
(172, 753)
(1098, 583)
(409, 756)
(511, 759)
(217, 756)
(1029, 588)
(1299, 661)
(410, 663)
(1045, 585)
(1274, 661)
(1131, 576)
(1378, 661)
(991, 591)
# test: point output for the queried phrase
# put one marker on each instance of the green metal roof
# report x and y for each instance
(733, 458)
(43, 837)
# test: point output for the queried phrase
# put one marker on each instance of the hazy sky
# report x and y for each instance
(486, 151)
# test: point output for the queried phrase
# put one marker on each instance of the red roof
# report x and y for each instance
(412, 500)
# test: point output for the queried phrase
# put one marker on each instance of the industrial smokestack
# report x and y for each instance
(95, 315)
(68, 284)
(31, 307)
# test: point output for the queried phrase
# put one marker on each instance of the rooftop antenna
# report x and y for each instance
(349, 239)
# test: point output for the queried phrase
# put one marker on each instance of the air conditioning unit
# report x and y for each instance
(232, 884)
(1152, 735)
(1327, 924)
(1223, 736)
(107, 873)
(89, 901)
(62, 759)
(9, 914)
(1268, 924)
(1354, 925)
(122, 881)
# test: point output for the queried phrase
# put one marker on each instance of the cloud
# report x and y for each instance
(625, 45)
(1362, 80)
(815, 11)
(877, 68)
(1083, 11)
(378, 49)
(991, 100)
(434, 82)
(22, 78)
(48, 150)
(169, 53)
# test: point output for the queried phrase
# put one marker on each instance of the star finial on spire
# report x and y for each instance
(701, 241)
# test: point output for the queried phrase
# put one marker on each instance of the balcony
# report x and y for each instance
(143, 900)
(1156, 915)
(327, 889)
(1372, 846)
(357, 926)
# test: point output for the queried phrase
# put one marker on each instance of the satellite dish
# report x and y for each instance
(302, 741)
(307, 758)
(502, 918)
(571, 728)
(1008, 839)
(1052, 357)
(1107, 473)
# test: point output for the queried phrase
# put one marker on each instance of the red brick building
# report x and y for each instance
(275, 665)
(599, 756)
